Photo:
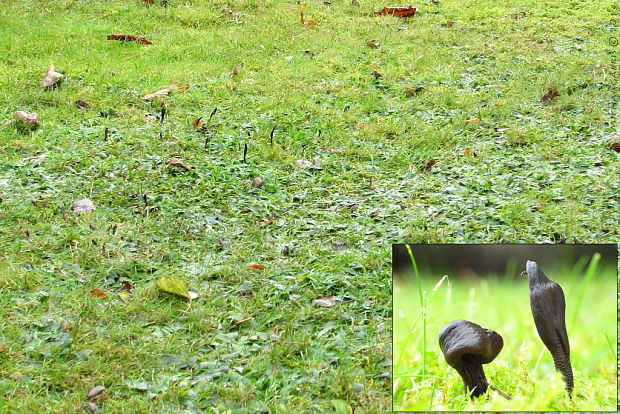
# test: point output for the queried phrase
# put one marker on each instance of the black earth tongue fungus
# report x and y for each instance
(466, 346)
(548, 306)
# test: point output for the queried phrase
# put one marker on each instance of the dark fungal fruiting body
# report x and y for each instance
(548, 307)
(466, 346)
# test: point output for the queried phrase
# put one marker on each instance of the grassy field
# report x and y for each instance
(434, 133)
(524, 368)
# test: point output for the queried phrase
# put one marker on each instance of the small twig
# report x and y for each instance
(105, 134)
(163, 114)
(245, 152)
(503, 394)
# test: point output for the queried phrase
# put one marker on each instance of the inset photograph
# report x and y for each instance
(505, 327)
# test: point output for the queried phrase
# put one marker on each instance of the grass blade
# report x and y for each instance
(586, 282)
(423, 306)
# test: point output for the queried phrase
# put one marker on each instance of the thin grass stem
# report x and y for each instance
(423, 305)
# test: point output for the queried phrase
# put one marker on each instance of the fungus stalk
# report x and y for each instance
(548, 307)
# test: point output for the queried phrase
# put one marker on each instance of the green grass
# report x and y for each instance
(316, 86)
(524, 368)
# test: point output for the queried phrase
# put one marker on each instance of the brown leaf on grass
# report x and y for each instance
(449, 23)
(95, 391)
(340, 245)
(83, 206)
(548, 97)
(302, 6)
(178, 163)
(473, 120)
(407, 11)
(51, 77)
(240, 321)
(327, 301)
(236, 70)
(129, 38)
(99, 293)
(82, 105)
(3, 347)
(166, 91)
(377, 75)
(126, 285)
(308, 23)
(28, 119)
(37, 159)
(339, 150)
(470, 153)
(373, 43)
(197, 123)
(256, 266)
(92, 407)
(519, 15)
(266, 222)
(427, 164)
(615, 145)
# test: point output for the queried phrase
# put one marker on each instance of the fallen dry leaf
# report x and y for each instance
(308, 23)
(302, 6)
(99, 293)
(51, 77)
(129, 38)
(82, 105)
(377, 75)
(333, 149)
(326, 301)
(473, 120)
(256, 266)
(239, 322)
(126, 285)
(236, 70)
(427, 164)
(615, 145)
(38, 159)
(449, 23)
(548, 97)
(92, 407)
(470, 153)
(520, 15)
(340, 245)
(3, 347)
(28, 119)
(175, 286)
(178, 163)
(166, 91)
(83, 206)
(373, 43)
(407, 11)
(95, 391)
(197, 123)
(266, 222)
